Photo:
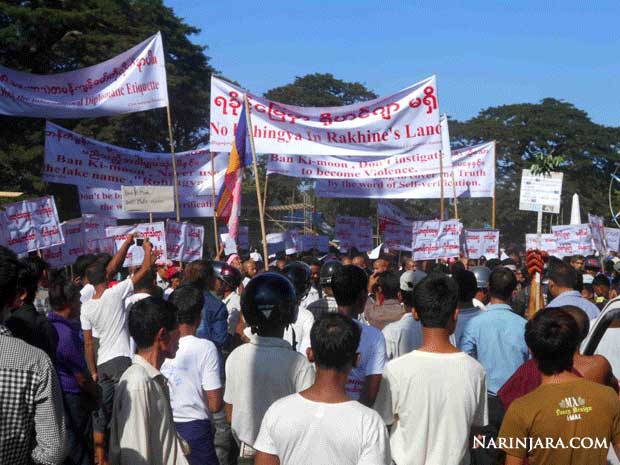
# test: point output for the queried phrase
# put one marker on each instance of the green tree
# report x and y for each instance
(50, 36)
(524, 131)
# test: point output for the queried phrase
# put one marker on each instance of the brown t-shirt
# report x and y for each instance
(571, 423)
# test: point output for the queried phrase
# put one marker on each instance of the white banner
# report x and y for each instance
(184, 241)
(597, 228)
(613, 239)
(397, 237)
(31, 225)
(436, 239)
(243, 236)
(482, 243)
(474, 175)
(541, 192)
(573, 239)
(307, 242)
(155, 232)
(547, 242)
(74, 159)
(405, 122)
(353, 231)
(445, 142)
(133, 81)
(276, 243)
(105, 201)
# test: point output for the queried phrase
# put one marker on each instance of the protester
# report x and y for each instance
(194, 379)
(482, 274)
(564, 408)
(346, 260)
(228, 279)
(80, 266)
(495, 339)
(315, 292)
(601, 287)
(106, 314)
(404, 335)
(322, 424)
(468, 288)
(327, 304)
(26, 322)
(349, 286)
(298, 334)
(41, 270)
(249, 271)
(143, 430)
(382, 306)
(359, 261)
(409, 264)
(174, 276)
(592, 266)
(31, 411)
(562, 281)
(81, 395)
(234, 260)
(578, 263)
(433, 396)
(267, 368)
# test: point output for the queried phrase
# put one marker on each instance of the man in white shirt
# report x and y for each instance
(106, 314)
(194, 379)
(322, 425)
(143, 430)
(249, 271)
(433, 396)
(267, 368)
(404, 335)
(350, 286)
(298, 334)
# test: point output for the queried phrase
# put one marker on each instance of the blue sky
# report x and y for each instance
(485, 53)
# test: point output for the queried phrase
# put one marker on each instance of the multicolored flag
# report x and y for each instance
(228, 202)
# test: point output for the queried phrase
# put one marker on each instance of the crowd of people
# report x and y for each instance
(328, 360)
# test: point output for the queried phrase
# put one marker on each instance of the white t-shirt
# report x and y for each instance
(167, 293)
(194, 369)
(300, 431)
(233, 305)
(402, 336)
(372, 359)
(108, 318)
(87, 293)
(302, 328)
(259, 373)
(432, 400)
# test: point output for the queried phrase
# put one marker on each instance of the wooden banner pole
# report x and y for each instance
(493, 206)
(174, 166)
(259, 199)
(441, 187)
(216, 238)
(265, 193)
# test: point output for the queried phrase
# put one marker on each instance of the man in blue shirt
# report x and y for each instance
(562, 280)
(496, 339)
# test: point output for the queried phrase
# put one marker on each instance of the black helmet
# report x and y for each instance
(299, 274)
(228, 274)
(482, 274)
(328, 270)
(269, 301)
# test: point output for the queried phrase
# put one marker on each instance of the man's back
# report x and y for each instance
(402, 336)
(32, 327)
(259, 373)
(465, 316)
(214, 323)
(299, 430)
(565, 411)
(436, 399)
(496, 339)
(31, 412)
(372, 359)
(575, 299)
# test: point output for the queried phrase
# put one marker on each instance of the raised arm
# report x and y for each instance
(119, 258)
(146, 262)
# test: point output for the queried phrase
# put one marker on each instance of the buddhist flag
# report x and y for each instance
(228, 202)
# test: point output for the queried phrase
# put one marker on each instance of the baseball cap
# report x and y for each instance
(409, 279)
(593, 263)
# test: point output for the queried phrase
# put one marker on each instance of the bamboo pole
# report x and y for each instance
(265, 193)
(441, 186)
(257, 182)
(456, 202)
(216, 238)
(174, 166)
(493, 202)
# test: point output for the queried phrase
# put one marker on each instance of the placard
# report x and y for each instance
(436, 239)
(546, 242)
(597, 228)
(307, 242)
(573, 239)
(150, 199)
(540, 192)
(613, 239)
(481, 243)
(184, 241)
(397, 237)
(354, 232)
(155, 232)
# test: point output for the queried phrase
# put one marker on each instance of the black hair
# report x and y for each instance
(440, 268)
(62, 292)
(9, 268)
(492, 263)
(199, 273)
(435, 299)
(147, 283)
(407, 297)
(502, 282)
(27, 281)
(189, 301)
(96, 273)
(348, 284)
(582, 319)
(575, 258)
(83, 262)
(334, 339)
(601, 280)
(552, 336)
(562, 275)
(147, 317)
(36, 264)
(315, 262)
(468, 286)
(390, 284)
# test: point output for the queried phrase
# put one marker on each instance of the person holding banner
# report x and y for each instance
(106, 314)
